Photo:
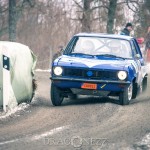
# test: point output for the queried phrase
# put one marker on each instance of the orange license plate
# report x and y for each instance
(89, 86)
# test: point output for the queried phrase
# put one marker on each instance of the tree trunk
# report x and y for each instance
(12, 20)
(145, 22)
(86, 18)
(111, 15)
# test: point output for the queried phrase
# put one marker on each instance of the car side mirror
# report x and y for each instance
(137, 56)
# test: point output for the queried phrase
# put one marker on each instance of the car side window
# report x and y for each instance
(137, 47)
(133, 49)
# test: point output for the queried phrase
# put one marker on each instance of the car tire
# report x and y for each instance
(144, 84)
(126, 95)
(56, 95)
(135, 90)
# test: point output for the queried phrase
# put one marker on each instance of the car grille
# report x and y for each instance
(90, 74)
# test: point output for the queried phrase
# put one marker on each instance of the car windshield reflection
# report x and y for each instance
(95, 46)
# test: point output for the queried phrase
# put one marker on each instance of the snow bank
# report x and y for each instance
(18, 72)
(145, 143)
(40, 70)
(13, 112)
(148, 67)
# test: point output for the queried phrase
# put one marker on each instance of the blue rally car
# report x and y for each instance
(99, 65)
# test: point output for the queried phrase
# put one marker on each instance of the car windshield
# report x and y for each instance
(98, 46)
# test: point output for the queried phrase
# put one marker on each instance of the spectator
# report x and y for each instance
(127, 29)
(147, 42)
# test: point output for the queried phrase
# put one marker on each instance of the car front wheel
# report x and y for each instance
(126, 95)
(56, 95)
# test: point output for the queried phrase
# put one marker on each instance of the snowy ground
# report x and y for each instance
(14, 112)
(17, 111)
(148, 67)
(144, 144)
(41, 70)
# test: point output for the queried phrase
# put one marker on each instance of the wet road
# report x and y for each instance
(84, 124)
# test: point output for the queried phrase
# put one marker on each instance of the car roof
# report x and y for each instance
(105, 35)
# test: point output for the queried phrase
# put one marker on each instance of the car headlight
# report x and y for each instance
(122, 75)
(58, 71)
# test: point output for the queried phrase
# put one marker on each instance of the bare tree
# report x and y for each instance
(111, 15)
(46, 25)
(144, 14)
(13, 14)
(104, 13)
(84, 7)
(141, 10)
(86, 17)
(3, 18)
(12, 20)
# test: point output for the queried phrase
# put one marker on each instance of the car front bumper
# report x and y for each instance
(102, 85)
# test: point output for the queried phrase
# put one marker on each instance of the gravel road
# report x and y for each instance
(84, 124)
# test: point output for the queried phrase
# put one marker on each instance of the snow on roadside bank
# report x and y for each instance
(148, 67)
(21, 107)
(18, 110)
(144, 143)
(41, 70)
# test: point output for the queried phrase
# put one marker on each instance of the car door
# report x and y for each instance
(139, 60)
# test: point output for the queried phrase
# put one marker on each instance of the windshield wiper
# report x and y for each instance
(109, 55)
(87, 55)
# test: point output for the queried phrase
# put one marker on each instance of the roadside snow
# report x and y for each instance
(146, 140)
(40, 70)
(148, 67)
(15, 111)
(144, 143)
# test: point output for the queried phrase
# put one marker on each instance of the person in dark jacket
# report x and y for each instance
(127, 29)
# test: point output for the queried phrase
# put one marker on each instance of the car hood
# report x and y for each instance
(93, 63)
